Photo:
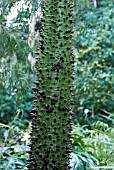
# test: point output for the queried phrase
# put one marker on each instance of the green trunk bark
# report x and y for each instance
(50, 145)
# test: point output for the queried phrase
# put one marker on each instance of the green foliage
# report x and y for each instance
(12, 144)
(13, 157)
(15, 90)
(93, 147)
(93, 144)
(16, 74)
(94, 61)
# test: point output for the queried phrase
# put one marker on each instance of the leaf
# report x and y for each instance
(3, 125)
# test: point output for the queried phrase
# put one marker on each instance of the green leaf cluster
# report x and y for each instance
(13, 144)
(94, 60)
(93, 147)
(15, 90)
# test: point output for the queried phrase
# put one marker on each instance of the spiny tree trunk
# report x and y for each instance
(50, 145)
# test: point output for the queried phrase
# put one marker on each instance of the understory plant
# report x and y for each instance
(93, 148)
(50, 141)
(13, 143)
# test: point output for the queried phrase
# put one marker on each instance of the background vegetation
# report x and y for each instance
(93, 130)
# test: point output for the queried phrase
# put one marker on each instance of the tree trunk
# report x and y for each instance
(95, 3)
(32, 23)
(50, 145)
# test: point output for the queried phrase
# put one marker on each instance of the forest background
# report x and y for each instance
(93, 48)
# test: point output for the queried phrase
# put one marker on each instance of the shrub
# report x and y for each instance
(15, 89)
(94, 62)
(93, 147)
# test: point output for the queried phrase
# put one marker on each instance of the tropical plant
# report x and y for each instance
(52, 115)
(92, 143)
